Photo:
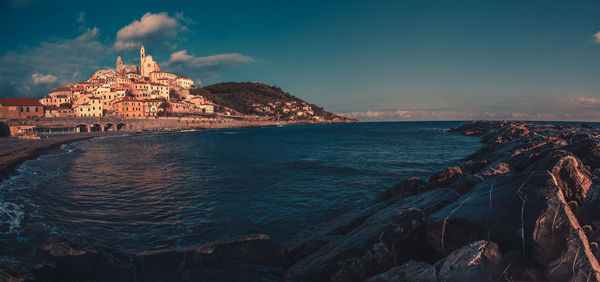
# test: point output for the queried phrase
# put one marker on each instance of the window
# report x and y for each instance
(21, 109)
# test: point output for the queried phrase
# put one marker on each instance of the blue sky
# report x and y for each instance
(374, 60)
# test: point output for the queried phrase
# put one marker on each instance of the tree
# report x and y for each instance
(164, 107)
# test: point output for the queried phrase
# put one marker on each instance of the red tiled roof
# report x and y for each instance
(127, 99)
(184, 77)
(19, 102)
(61, 89)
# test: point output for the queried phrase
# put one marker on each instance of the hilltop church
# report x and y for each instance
(147, 64)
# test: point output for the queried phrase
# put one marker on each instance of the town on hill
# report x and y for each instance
(146, 92)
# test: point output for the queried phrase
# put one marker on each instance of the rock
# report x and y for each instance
(587, 150)
(10, 275)
(409, 271)
(388, 237)
(478, 128)
(243, 258)
(478, 261)
(464, 183)
(408, 187)
(449, 235)
(444, 178)
(499, 168)
(64, 260)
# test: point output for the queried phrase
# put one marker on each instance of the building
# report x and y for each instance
(55, 100)
(20, 108)
(120, 68)
(184, 82)
(156, 75)
(92, 108)
(53, 111)
(129, 107)
(152, 107)
(147, 64)
(150, 90)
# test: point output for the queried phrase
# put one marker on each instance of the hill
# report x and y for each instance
(253, 98)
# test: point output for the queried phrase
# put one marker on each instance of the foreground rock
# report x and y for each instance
(244, 258)
(479, 261)
(63, 260)
(525, 207)
(390, 234)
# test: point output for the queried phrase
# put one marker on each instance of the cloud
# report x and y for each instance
(597, 37)
(150, 29)
(394, 115)
(25, 72)
(39, 78)
(584, 100)
(203, 67)
(22, 3)
(81, 17)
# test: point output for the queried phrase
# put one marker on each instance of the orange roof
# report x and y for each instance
(184, 77)
(19, 102)
(127, 99)
(160, 72)
(61, 89)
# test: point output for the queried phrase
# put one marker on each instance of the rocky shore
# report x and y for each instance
(524, 207)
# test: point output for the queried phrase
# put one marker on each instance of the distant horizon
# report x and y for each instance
(387, 61)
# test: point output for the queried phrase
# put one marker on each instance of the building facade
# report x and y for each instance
(20, 108)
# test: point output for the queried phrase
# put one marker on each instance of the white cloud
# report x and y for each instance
(150, 29)
(203, 67)
(395, 115)
(584, 100)
(39, 78)
(81, 17)
(63, 58)
(22, 3)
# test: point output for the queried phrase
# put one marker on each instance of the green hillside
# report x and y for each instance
(253, 98)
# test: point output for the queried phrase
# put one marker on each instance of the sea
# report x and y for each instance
(168, 189)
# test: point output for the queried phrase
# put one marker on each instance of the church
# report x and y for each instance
(147, 64)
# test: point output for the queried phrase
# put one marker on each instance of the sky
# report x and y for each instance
(371, 60)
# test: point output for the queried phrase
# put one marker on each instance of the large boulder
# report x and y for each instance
(10, 275)
(409, 271)
(408, 187)
(390, 236)
(243, 258)
(444, 178)
(64, 260)
(477, 261)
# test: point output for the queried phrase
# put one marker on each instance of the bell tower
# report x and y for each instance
(142, 59)
(119, 64)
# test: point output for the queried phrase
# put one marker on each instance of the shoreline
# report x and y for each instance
(525, 206)
(16, 151)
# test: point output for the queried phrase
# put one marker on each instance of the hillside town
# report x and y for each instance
(127, 91)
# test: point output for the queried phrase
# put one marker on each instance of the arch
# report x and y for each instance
(4, 130)
(81, 128)
(120, 126)
(109, 127)
(95, 127)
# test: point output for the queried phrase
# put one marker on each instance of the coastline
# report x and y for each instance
(15, 151)
(525, 206)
